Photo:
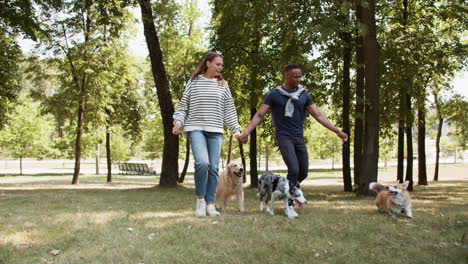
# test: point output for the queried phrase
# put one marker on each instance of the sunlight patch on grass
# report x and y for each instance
(73, 187)
(164, 214)
(87, 218)
(17, 239)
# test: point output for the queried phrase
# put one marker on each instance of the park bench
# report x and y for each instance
(135, 169)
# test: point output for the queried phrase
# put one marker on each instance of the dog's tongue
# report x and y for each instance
(299, 204)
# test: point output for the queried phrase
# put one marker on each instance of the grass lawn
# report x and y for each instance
(132, 221)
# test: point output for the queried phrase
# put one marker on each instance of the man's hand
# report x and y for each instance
(176, 128)
(242, 138)
(344, 137)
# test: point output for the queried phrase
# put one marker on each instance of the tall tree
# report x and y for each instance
(359, 108)
(28, 133)
(80, 38)
(371, 130)
(346, 86)
(169, 169)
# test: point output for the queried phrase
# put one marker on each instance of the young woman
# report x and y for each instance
(205, 107)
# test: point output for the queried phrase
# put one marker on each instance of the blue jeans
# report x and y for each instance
(206, 149)
(294, 152)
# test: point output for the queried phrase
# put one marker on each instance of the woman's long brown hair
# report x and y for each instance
(201, 68)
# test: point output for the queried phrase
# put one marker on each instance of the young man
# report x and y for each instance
(289, 104)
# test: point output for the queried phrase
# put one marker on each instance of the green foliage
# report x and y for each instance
(120, 147)
(322, 143)
(457, 113)
(10, 55)
(28, 134)
(153, 139)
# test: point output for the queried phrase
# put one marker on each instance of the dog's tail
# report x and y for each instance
(376, 187)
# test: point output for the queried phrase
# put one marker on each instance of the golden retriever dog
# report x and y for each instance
(230, 186)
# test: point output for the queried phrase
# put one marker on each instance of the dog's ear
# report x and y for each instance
(405, 185)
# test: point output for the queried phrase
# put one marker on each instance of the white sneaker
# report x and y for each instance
(289, 211)
(211, 210)
(200, 210)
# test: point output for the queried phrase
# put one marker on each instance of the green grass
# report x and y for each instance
(131, 221)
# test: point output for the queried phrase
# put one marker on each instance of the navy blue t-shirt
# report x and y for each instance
(290, 126)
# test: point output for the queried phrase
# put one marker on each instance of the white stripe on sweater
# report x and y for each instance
(207, 106)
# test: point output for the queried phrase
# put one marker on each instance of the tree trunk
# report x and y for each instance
(439, 134)
(229, 150)
(241, 148)
(409, 143)
(359, 115)
(422, 170)
(79, 136)
(401, 137)
(97, 158)
(187, 160)
(409, 114)
(169, 168)
(82, 95)
(369, 170)
(347, 49)
(21, 165)
(108, 154)
(253, 153)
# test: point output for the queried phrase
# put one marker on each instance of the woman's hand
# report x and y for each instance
(176, 128)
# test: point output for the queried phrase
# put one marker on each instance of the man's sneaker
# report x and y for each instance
(211, 210)
(200, 211)
(289, 211)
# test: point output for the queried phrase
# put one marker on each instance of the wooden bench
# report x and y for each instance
(135, 169)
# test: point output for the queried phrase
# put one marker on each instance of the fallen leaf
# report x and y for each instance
(330, 243)
(55, 252)
(190, 226)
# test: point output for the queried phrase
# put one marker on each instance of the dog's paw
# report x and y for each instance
(271, 211)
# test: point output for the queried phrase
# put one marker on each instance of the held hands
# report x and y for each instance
(176, 128)
(242, 138)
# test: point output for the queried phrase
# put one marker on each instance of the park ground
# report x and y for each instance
(45, 219)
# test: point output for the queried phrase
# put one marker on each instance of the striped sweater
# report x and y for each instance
(207, 106)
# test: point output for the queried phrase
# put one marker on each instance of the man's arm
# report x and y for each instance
(313, 111)
(256, 119)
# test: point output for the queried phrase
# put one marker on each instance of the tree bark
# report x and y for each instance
(409, 143)
(422, 170)
(79, 134)
(97, 158)
(439, 134)
(369, 170)
(401, 137)
(409, 114)
(169, 168)
(21, 165)
(253, 153)
(359, 114)
(347, 49)
(229, 150)
(187, 160)
(108, 154)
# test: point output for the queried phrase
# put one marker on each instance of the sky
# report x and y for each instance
(138, 46)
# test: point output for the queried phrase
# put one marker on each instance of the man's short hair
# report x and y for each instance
(291, 67)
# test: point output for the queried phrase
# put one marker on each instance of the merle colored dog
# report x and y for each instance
(274, 187)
